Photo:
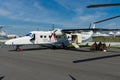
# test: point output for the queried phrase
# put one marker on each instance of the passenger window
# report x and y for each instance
(44, 36)
(41, 36)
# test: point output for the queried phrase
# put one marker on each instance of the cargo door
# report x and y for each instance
(74, 39)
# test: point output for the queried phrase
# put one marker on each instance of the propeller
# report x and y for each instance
(53, 36)
(103, 5)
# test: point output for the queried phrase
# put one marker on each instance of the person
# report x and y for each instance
(100, 46)
(94, 46)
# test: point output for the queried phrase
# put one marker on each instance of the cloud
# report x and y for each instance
(4, 12)
(32, 11)
(68, 12)
(19, 11)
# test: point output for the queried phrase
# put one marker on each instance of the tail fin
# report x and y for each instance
(92, 26)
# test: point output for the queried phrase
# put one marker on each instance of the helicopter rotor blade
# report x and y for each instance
(103, 5)
(107, 19)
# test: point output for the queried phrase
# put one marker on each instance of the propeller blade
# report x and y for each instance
(107, 19)
(103, 5)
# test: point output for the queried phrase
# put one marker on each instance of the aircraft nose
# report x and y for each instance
(8, 42)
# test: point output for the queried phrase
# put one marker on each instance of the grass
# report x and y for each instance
(106, 39)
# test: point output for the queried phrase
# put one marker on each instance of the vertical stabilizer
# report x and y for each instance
(92, 26)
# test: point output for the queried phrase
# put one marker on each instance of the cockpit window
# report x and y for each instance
(29, 34)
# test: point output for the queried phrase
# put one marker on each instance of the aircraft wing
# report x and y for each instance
(87, 29)
(103, 29)
(75, 30)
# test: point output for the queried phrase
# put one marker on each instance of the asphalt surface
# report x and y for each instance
(59, 64)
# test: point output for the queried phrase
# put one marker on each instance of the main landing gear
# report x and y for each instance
(18, 48)
(59, 46)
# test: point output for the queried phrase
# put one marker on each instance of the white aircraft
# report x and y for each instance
(55, 38)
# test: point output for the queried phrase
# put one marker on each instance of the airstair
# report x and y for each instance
(76, 39)
(75, 45)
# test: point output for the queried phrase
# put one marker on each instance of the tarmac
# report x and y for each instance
(35, 63)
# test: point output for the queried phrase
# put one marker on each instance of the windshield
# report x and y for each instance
(29, 34)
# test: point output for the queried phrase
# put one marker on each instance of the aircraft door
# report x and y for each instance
(33, 38)
(74, 39)
(37, 38)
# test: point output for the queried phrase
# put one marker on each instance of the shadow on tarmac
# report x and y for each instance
(2, 77)
(96, 58)
(80, 50)
(31, 49)
(114, 51)
(72, 77)
(40, 48)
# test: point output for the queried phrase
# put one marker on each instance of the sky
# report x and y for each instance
(23, 16)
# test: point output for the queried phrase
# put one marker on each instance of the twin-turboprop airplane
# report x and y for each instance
(57, 37)
(54, 38)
